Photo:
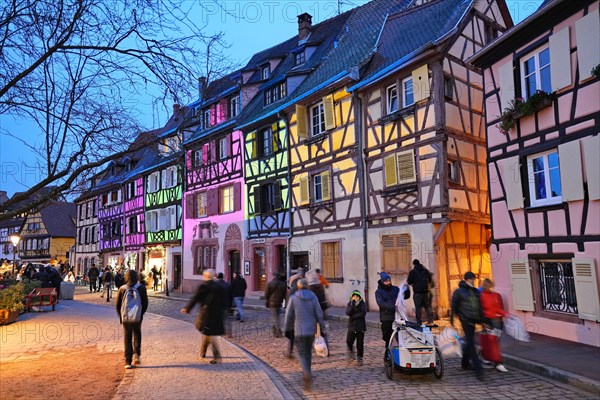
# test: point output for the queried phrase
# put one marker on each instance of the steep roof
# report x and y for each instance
(59, 219)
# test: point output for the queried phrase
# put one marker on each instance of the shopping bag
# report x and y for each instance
(515, 328)
(320, 345)
(449, 343)
(490, 347)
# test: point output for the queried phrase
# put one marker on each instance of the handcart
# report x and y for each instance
(40, 297)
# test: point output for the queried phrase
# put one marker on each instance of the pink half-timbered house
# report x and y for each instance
(542, 105)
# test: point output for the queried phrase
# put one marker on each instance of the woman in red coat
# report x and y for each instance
(493, 312)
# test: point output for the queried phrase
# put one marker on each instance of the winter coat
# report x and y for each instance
(386, 297)
(227, 293)
(238, 287)
(143, 297)
(466, 304)
(107, 277)
(492, 305)
(420, 279)
(93, 273)
(275, 293)
(356, 312)
(303, 313)
(209, 296)
(319, 291)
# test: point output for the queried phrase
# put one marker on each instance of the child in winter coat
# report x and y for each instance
(357, 325)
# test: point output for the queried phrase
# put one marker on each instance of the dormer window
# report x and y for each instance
(233, 107)
(300, 58)
(206, 119)
(198, 158)
(265, 72)
(275, 93)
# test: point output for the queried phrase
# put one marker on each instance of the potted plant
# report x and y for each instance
(11, 303)
(596, 71)
(519, 108)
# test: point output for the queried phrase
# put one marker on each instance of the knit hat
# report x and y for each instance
(385, 276)
(469, 275)
(356, 292)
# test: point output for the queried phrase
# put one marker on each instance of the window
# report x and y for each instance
(535, 72)
(154, 182)
(206, 258)
(233, 107)
(544, 179)
(131, 190)
(392, 99)
(115, 228)
(198, 158)
(86, 239)
(448, 87)
(396, 255)
(399, 168)
(317, 118)
(170, 177)
(453, 171)
(270, 197)
(321, 188)
(115, 197)
(408, 97)
(152, 221)
(265, 142)
(275, 93)
(300, 58)
(223, 148)
(557, 286)
(33, 226)
(226, 202)
(265, 72)
(331, 260)
(206, 119)
(491, 32)
(201, 206)
(132, 224)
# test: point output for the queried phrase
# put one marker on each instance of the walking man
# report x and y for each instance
(238, 288)
(467, 306)
(386, 295)
(209, 322)
(93, 277)
(303, 314)
(420, 280)
(132, 303)
(108, 281)
(276, 291)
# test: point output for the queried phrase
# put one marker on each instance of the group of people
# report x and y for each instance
(103, 280)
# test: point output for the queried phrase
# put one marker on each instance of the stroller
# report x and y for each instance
(411, 347)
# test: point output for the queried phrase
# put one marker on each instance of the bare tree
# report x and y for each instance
(77, 69)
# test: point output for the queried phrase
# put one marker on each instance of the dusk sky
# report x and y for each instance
(249, 26)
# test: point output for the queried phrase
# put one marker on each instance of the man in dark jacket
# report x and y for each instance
(107, 280)
(210, 318)
(420, 279)
(466, 305)
(93, 277)
(132, 330)
(357, 326)
(227, 302)
(238, 289)
(386, 296)
(275, 293)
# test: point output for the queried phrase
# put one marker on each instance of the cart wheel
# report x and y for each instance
(389, 364)
(438, 372)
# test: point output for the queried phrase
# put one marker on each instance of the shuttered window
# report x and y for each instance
(522, 292)
(586, 288)
(304, 195)
(400, 168)
(396, 255)
(331, 259)
(321, 187)
(226, 201)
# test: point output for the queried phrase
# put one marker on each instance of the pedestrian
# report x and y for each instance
(132, 303)
(228, 301)
(209, 322)
(318, 289)
(356, 310)
(107, 278)
(466, 306)
(420, 280)
(275, 294)
(70, 277)
(119, 278)
(156, 275)
(100, 274)
(322, 279)
(299, 273)
(238, 288)
(492, 309)
(386, 296)
(303, 314)
(93, 277)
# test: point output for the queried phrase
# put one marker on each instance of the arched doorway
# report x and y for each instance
(233, 262)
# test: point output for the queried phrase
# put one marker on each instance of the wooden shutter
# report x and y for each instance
(420, 78)
(189, 206)
(205, 154)
(406, 167)
(329, 111)
(390, 170)
(571, 171)
(512, 183)
(212, 201)
(325, 185)
(237, 196)
(224, 105)
(304, 193)
(277, 190)
(213, 116)
(560, 59)
(301, 123)
(586, 288)
(275, 137)
(252, 141)
(213, 151)
(587, 32)
(506, 84)
(522, 292)
(591, 144)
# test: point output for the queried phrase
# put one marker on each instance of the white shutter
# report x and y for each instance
(173, 217)
(506, 85)
(163, 174)
(560, 59)
(591, 149)
(512, 183)
(420, 78)
(522, 292)
(587, 32)
(162, 219)
(571, 172)
(586, 288)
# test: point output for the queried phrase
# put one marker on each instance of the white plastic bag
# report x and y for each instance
(320, 345)
(449, 342)
(515, 328)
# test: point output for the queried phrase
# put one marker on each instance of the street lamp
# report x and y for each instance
(15, 239)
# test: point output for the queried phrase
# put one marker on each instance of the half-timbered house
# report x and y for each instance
(542, 105)
(88, 234)
(214, 218)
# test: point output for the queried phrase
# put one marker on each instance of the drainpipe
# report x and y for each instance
(358, 124)
(288, 271)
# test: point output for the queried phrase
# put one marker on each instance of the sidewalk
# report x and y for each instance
(568, 362)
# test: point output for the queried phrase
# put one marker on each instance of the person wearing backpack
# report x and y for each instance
(132, 303)
(420, 279)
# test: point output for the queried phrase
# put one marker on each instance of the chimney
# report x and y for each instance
(201, 87)
(304, 26)
(176, 108)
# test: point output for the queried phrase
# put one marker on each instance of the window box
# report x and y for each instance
(401, 189)
(519, 108)
(316, 139)
(403, 112)
(321, 204)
